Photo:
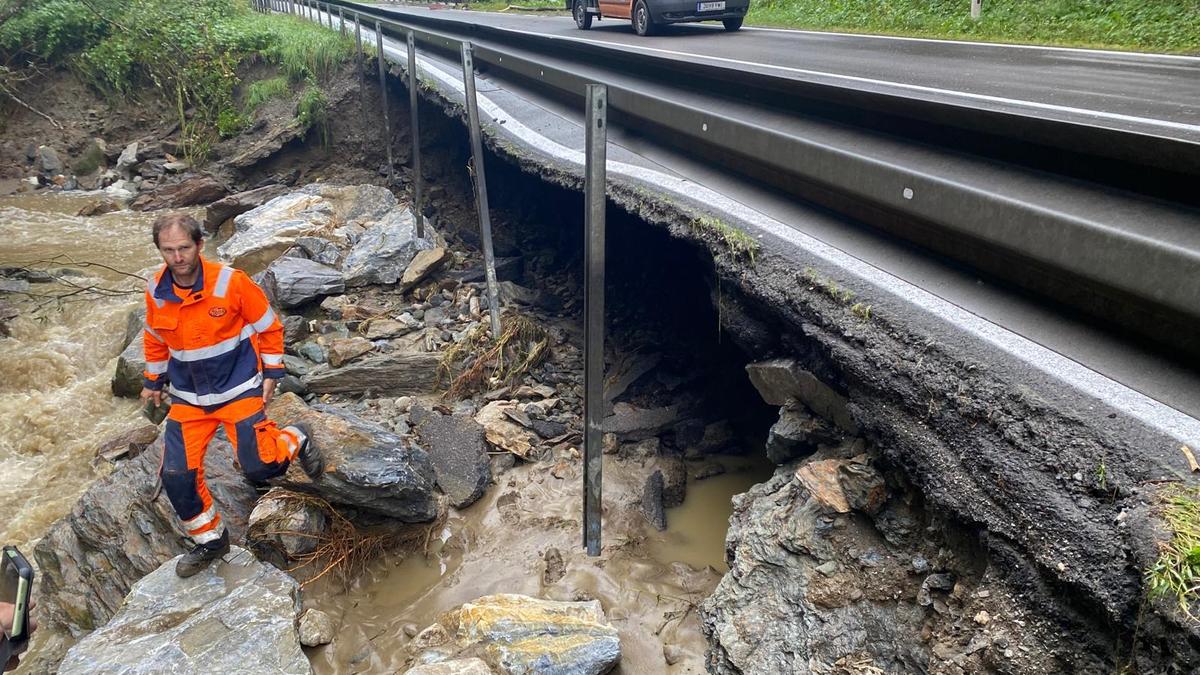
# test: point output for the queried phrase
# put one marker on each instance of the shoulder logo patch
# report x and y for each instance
(216, 312)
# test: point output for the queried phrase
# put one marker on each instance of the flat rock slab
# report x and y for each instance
(237, 616)
(780, 381)
(116, 533)
(403, 374)
(292, 282)
(366, 466)
(188, 192)
(236, 204)
(521, 634)
(458, 450)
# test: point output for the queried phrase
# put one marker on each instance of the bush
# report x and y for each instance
(184, 52)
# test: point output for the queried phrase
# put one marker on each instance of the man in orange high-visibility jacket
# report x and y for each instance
(214, 345)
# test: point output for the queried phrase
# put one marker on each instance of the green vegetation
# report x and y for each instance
(739, 243)
(1157, 25)
(262, 91)
(1175, 576)
(185, 55)
(312, 111)
(841, 295)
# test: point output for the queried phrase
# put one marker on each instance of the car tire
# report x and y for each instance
(732, 24)
(643, 24)
(583, 20)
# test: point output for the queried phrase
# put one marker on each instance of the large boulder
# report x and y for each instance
(236, 204)
(284, 526)
(458, 451)
(291, 282)
(120, 530)
(383, 253)
(782, 381)
(317, 210)
(190, 191)
(518, 634)
(366, 466)
(238, 615)
(808, 585)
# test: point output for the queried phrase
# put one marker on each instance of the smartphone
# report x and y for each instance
(16, 586)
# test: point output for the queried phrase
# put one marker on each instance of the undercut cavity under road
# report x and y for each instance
(1149, 93)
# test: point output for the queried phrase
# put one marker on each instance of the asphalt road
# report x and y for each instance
(1152, 93)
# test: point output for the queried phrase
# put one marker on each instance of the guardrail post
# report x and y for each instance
(341, 22)
(358, 61)
(594, 183)
(481, 198)
(418, 181)
(387, 124)
(976, 8)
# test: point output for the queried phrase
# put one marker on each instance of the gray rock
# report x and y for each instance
(282, 528)
(366, 466)
(384, 251)
(48, 162)
(116, 533)
(781, 380)
(320, 250)
(291, 282)
(797, 433)
(313, 352)
(135, 323)
(652, 501)
(263, 233)
(236, 204)
(316, 628)
(295, 365)
(127, 160)
(458, 451)
(295, 329)
(631, 423)
(236, 616)
(788, 600)
(190, 191)
(396, 373)
(127, 380)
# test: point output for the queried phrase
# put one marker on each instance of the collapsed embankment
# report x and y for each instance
(931, 511)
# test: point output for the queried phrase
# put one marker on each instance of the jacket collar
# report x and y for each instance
(165, 288)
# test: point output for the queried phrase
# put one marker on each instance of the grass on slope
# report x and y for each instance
(1145, 25)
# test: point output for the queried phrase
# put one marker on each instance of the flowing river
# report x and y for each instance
(55, 399)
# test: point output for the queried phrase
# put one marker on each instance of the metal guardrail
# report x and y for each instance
(1141, 276)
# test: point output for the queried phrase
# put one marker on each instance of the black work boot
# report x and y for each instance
(310, 457)
(202, 555)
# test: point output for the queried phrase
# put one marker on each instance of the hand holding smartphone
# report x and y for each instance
(16, 591)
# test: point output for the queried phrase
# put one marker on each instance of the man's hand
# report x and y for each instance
(269, 390)
(151, 395)
(7, 611)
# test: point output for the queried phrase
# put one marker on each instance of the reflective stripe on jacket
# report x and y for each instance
(214, 345)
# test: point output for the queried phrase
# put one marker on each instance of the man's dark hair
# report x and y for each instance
(188, 224)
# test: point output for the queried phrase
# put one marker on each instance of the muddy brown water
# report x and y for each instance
(56, 403)
(56, 406)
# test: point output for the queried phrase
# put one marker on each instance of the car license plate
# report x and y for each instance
(710, 6)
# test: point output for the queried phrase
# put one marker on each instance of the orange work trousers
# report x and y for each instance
(262, 449)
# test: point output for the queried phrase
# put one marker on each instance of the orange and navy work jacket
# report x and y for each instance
(215, 344)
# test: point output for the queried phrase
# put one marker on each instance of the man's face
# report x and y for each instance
(181, 254)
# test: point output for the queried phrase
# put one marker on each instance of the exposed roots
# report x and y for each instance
(477, 362)
(343, 549)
